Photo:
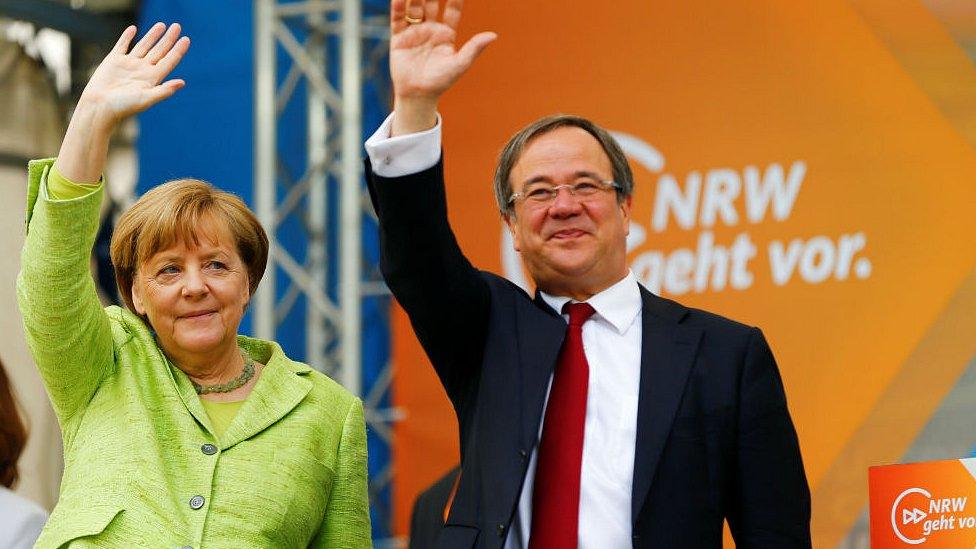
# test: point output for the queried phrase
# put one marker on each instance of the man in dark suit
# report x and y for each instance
(593, 414)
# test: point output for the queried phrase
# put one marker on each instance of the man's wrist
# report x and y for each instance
(413, 115)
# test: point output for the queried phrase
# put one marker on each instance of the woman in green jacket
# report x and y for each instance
(177, 431)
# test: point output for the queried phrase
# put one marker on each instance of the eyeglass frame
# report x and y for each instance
(607, 184)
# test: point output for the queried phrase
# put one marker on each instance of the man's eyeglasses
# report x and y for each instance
(539, 193)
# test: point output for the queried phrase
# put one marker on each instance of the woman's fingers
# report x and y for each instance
(122, 45)
(162, 91)
(165, 44)
(147, 41)
(173, 57)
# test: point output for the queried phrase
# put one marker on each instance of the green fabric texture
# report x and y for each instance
(221, 414)
(290, 470)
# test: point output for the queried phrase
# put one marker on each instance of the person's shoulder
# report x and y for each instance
(707, 321)
(323, 388)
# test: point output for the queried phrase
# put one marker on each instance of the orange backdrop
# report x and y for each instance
(819, 153)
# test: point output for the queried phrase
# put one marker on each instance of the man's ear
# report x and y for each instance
(512, 229)
(625, 210)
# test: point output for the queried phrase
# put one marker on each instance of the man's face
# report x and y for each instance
(572, 246)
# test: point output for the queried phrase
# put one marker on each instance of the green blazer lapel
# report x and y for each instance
(280, 388)
(184, 387)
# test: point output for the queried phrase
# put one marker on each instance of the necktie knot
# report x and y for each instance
(578, 312)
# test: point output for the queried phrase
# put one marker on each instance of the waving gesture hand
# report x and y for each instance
(127, 82)
(424, 59)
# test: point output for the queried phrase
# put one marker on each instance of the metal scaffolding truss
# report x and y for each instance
(327, 50)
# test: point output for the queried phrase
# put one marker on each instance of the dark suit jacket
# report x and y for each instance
(427, 517)
(714, 437)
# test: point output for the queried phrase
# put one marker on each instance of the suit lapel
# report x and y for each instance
(668, 351)
(537, 355)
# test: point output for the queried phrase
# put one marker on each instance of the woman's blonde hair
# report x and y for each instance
(172, 213)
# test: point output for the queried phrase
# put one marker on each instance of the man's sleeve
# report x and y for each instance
(404, 154)
(446, 298)
(772, 507)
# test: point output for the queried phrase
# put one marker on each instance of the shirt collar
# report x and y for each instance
(618, 304)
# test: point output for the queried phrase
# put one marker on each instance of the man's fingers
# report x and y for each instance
(414, 10)
(143, 45)
(163, 46)
(430, 10)
(452, 13)
(122, 46)
(474, 46)
(398, 15)
(173, 57)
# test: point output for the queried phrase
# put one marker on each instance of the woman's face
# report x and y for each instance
(194, 294)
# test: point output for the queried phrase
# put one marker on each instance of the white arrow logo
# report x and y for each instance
(914, 516)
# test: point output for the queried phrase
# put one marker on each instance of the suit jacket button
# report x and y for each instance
(208, 449)
(523, 454)
(196, 502)
(501, 530)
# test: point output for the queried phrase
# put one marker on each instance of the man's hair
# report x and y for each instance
(510, 155)
(174, 212)
(13, 435)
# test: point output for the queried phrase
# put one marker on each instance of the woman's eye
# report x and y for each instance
(169, 270)
(218, 265)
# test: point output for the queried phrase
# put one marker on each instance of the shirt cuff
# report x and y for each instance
(60, 187)
(404, 154)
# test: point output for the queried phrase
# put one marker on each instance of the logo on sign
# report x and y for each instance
(916, 515)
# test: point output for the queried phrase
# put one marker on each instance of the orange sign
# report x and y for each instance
(927, 505)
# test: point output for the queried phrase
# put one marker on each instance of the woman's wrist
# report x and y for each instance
(85, 146)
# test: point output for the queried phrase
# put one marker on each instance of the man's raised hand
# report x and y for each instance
(424, 59)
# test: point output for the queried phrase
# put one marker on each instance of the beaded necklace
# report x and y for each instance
(246, 374)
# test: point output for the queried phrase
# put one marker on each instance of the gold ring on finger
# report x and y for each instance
(413, 20)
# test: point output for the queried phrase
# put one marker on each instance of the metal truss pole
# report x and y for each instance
(312, 203)
(264, 157)
(350, 278)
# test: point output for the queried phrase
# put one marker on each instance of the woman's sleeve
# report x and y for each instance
(67, 330)
(346, 524)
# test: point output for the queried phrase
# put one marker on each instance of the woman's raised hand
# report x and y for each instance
(424, 59)
(127, 82)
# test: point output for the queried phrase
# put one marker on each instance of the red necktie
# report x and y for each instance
(555, 498)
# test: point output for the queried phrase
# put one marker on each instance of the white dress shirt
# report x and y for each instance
(612, 343)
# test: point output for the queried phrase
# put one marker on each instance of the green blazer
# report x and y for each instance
(142, 466)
